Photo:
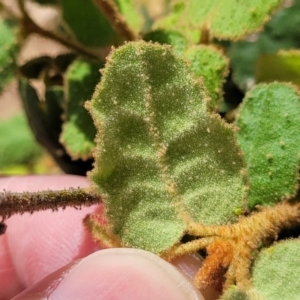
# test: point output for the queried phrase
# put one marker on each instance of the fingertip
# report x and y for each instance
(122, 274)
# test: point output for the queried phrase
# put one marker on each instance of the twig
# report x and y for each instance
(111, 12)
(19, 203)
(32, 27)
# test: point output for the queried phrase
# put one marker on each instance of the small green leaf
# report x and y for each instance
(79, 132)
(9, 47)
(170, 23)
(211, 64)
(161, 159)
(269, 123)
(283, 66)
(229, 19)
(89, 26)
(171, 37)
(46, 126)
(276, 271)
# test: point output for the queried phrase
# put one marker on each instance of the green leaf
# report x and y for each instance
(171, 37)
(281, 32)
(269, 124)
(211, 64)
(230, 19)
(161, 158)
(283, 66)
(227, 19)
(89, 26)
(17, 144)
(46, 126)
(79, 132)
(170, 23)
(275, 274)
(9, 47)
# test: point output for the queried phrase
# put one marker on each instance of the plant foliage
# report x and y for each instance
(174, 176)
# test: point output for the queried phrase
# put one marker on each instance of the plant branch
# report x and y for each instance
(109, 9)
(19, 203)
(32, 27)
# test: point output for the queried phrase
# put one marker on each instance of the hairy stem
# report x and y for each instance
(189, 247)
(19, 203)
(111, 12)
(32, 27)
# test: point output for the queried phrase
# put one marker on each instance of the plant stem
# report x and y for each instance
(19, 203)
(32, 27)
(109, 9)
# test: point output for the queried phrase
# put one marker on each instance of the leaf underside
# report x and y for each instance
(270, 141)
(161, 160)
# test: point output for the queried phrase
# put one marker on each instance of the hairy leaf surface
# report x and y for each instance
(230, 19)
(212, 65)
(227, 19)
(161, 158)
(271, 141)
(170, 37)
(275, 273)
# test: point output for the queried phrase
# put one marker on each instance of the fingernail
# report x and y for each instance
(124, 274)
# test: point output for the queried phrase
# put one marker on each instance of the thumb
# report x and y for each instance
(120, 273)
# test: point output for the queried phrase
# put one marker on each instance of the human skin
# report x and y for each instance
(49, 255)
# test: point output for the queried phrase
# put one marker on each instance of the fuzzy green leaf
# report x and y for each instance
(8, 46)
(227, 19)
(212, 65)
(270, 141)
(283, 66)
(230, 19)
(86, 22)
(161, 158)
(170, 37)
(79, 132)
(276, 271)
